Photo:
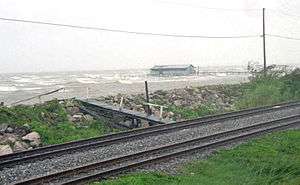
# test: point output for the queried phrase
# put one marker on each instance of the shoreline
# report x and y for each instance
(111, 89)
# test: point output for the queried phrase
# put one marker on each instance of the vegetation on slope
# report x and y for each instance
(262, 90)
(51, 122)
(273, 159)
(274, 88)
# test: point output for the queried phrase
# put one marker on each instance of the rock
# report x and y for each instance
(70, 118)
(5, 149)
(27, 126)
(23, 130)
(3, 140)
(170, 114)
(9, 130)
(11, 138)
(3, 127)
(77, 118)
(144, 124)
(20, 146)
(69, 103)
(34, 138)
(177, 102)
(8, 139)
(73, 110)
(88, 117)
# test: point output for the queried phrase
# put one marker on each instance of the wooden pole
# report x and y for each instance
(264, 43)
(147, 98)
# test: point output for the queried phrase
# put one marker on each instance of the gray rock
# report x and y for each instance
(3, 127)
(11, 138)
(8, 139)
(5, 149)
(88, 117)
(20, 146)
(9, 130)
(73, 110)
(177, 102)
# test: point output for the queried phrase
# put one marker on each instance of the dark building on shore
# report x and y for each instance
(172, 70)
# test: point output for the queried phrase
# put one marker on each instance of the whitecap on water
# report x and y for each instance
(8, 88)
(30, 88)
(125, 81)
(86, 81)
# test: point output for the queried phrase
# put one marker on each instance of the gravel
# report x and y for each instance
(46, 166)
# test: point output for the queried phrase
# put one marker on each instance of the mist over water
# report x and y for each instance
(18, 86)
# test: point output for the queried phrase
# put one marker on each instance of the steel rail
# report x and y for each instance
(56, 150)
(159, 153)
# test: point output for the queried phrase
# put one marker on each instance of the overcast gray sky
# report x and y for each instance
(34, 48)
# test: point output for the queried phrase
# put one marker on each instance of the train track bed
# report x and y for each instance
(174, 165)
(115, 165)
(81, 157)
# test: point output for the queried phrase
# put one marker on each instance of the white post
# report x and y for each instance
(121, 103)
(161, 112)
(87, 93)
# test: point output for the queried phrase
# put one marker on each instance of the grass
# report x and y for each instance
(272, 160)
(270, 89)
(191, 113)
(50, 121)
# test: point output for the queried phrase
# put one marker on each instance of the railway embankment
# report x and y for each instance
(273, 159)
(25, 127)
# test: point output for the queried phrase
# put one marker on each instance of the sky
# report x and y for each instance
(28, 47)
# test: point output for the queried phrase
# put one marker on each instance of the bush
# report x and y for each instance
(271, 89)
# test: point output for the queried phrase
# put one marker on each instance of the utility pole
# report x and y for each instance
(264, 43)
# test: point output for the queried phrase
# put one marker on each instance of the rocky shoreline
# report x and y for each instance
(15, 138)
(219, 97)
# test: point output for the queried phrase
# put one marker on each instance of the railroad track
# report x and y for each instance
(61, 149)
(106, 168)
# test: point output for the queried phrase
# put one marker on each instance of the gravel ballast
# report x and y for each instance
(43, 167)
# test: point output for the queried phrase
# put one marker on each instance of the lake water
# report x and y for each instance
(15, 87)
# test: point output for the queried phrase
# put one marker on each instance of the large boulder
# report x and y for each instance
(8, 139)
(20, 146)
(34, 139)
(5, 149)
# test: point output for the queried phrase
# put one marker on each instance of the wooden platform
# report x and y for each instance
(124, 112)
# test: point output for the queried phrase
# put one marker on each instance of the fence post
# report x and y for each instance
(147, 98)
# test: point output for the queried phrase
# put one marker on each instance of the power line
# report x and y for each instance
(125, 31)
(283, 37)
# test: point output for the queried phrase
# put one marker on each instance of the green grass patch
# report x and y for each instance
(272, 160)
(196, 112)
(50, 121)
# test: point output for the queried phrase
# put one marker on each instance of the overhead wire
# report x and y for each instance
(126, 31)
(283, 37)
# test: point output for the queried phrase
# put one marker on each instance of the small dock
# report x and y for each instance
(97, 108)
